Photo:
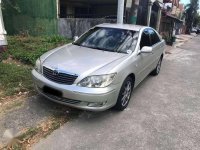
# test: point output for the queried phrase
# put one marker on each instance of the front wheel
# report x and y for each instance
(124, 94)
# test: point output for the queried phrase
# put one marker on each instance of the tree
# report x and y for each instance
(197, 21)
(190, 13)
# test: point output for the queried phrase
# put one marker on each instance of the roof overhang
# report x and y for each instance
(173, 17)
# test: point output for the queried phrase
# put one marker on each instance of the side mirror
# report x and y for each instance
(146, 49)
(75, 38)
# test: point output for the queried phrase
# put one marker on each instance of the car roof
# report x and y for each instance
(122, 26)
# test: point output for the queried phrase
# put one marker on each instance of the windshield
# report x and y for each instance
(109, 39)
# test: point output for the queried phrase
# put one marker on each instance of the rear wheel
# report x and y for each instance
(124, 94)
(156, 71)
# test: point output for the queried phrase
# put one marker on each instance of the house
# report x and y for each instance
(87, 9)
(149, 13)
(172, 20)
(77, 16)
(73, 17)
(80, 15)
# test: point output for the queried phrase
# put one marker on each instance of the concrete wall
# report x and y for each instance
(70, 27)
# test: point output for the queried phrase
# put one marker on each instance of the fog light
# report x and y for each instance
(96, 104)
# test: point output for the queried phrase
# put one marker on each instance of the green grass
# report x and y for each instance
(27, 49)
(15, 79)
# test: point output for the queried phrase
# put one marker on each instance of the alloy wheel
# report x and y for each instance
(127, 93)
(158, 66)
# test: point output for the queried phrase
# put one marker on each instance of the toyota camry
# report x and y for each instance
(100, 69)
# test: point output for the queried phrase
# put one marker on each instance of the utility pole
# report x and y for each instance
(158, 19)
(150, 4)
(120, 11)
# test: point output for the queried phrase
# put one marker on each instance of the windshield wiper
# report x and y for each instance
(93, 47)
(76, 44)
(99, 48)
(104, 49)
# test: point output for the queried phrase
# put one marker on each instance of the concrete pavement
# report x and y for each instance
(164, 113)
(34, 111)
(180, 40)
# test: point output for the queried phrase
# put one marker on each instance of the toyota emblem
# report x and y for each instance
(55, 72)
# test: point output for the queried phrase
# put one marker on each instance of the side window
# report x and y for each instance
(145, 39)
(154, 37)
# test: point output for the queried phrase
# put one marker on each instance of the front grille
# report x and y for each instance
(59, 77)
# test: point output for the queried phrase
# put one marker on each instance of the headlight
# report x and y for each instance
(97, 81)
(38, 67)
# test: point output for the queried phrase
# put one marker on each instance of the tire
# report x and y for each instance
(124, 94)
(156, 71)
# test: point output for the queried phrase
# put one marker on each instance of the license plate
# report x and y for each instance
(52, 91)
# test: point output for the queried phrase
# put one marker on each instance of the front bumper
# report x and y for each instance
(93, 99)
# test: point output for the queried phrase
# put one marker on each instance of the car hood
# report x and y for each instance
(80, 60)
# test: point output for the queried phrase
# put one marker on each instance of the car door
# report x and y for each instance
(143, 59)
(157, 49)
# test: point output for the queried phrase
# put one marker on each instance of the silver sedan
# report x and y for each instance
(100, 69)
